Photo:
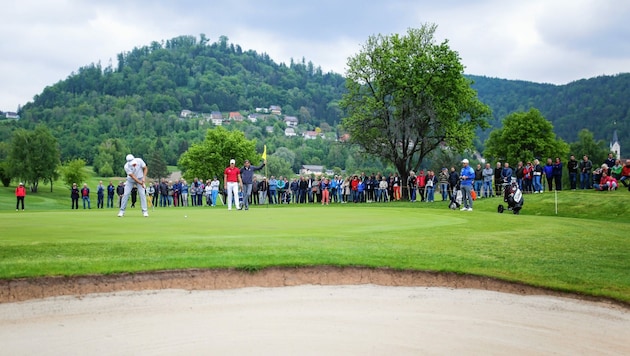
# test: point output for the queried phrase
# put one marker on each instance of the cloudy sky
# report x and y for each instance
(545, 41)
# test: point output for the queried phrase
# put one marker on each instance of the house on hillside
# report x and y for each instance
(185, 113)
(309, 169)
(310, 135)
(269, 129)
(216, 117)
(254, 117)
(290, 132)
(11, 115)
(291, 121)
(275, 110)
(236, 116)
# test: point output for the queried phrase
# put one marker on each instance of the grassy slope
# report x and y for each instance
(583, 249)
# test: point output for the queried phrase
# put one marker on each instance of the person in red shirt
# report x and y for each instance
(625, 174)
(20, 193)
(231, 181)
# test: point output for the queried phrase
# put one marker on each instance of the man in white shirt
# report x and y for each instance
(136, 171)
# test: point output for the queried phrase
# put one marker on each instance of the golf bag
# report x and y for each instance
(513, 196)
(456, 197)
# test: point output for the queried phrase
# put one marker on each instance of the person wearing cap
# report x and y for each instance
(466, 177)
(231, 181)
(247, 176)
(136, 170)
(20, 193)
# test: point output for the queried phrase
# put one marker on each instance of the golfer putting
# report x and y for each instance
(136, 170)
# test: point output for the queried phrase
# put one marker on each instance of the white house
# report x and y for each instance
(291, 121)
(289, 132)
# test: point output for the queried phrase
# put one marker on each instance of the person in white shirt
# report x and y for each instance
(136, 170)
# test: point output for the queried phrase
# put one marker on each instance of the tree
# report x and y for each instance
(157, 165)
(586, 145)
(210, 157)
(408, 96)
(34, 156)
(524, 136)
(73, 172)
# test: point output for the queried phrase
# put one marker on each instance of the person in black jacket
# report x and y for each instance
(572, 167)
(120, 190)
(74, 195)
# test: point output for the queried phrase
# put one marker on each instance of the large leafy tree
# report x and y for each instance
(524, 136)
(210, 157)
(408, 96)
(74, 172)
(587, 145)
(34, 156)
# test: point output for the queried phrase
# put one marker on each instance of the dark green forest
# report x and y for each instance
(136, 104)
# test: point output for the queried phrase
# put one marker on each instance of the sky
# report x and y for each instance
(543, 41)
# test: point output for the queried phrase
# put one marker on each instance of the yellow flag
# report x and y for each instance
(264, 155)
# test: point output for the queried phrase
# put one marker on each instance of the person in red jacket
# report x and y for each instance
(20, 193)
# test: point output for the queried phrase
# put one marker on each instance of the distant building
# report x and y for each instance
(185, 113)
(11, 115)
(290, 132)
(275, 109)
(291, 121)
(615, 147)
(310, 135)
(236, 116)
(269, 129)
(216, 117)
(309, 169)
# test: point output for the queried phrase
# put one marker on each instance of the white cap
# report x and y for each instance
(130, 157)
(232, 161)
(465, 160)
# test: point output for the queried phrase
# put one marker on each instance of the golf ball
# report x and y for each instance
(185, 216)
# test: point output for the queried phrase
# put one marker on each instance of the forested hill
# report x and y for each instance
(139, 101)
(600, 104)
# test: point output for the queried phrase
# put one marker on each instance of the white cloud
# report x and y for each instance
(538, 40)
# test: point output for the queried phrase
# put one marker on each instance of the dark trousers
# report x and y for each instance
(17, 204)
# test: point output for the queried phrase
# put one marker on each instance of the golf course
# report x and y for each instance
(570, 241)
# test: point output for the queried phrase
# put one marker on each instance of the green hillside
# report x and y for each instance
(140, 103)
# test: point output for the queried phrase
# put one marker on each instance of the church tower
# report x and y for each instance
(614, 146)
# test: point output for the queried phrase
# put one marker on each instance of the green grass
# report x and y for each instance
(585, 248)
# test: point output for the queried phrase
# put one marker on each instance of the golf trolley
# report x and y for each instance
(513, 196)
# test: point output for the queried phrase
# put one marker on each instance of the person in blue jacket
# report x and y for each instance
(548, 168)
(466, 178)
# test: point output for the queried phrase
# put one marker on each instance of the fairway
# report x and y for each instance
(564, 254)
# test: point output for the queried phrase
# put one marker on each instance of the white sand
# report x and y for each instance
(313, 320)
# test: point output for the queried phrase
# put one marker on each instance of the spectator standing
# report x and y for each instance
(453, 179)
(421, 183)
(443, 181)
(100, 195)
(273, 185)
(85, 196)
(520, 175)
(232, 180)
(120, 191)
(74, 195)
(412, 182)
(610, 160)
(431, 182)
(488, 177)
(572, 168)
(478, 180)
(506, 173)
(111, 190)
(498, 180)
(214, 185)
(548, 168)
(528, 170)
(537, 172)
(557, 173)
(586, 166)
(184, 190)
(163, 193)
(20, 193)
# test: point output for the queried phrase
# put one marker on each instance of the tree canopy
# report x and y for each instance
(209, 158)
(524, 136)
(407, 96)
(34, 156)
